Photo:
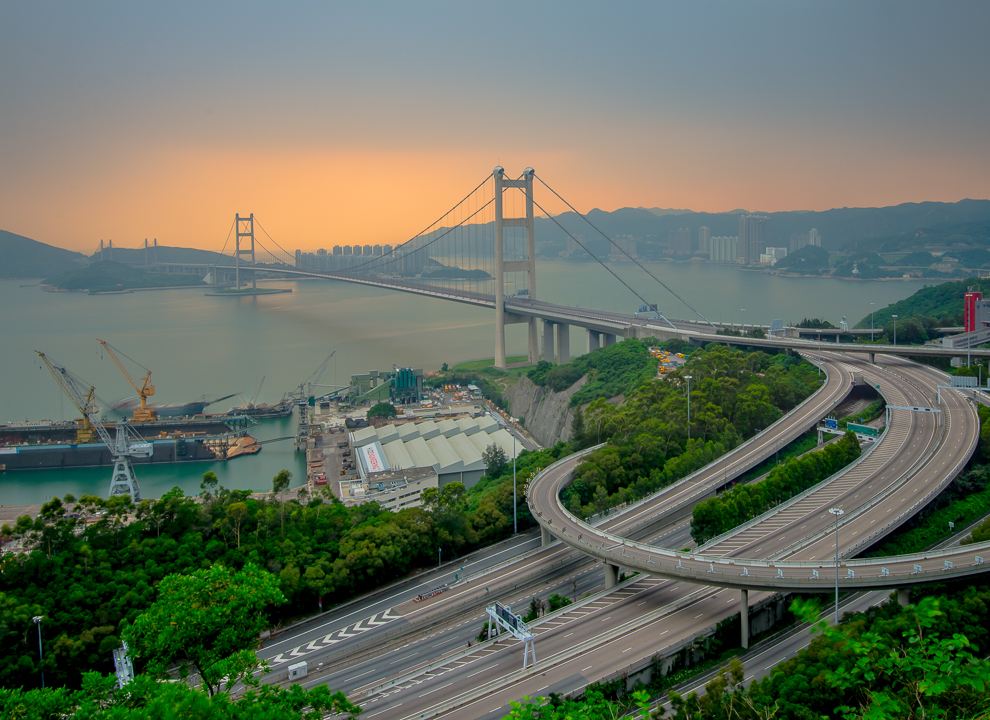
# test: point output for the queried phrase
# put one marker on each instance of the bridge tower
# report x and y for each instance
(526, 264)
(244, 229)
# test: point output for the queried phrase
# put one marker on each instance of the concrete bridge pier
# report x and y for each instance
(548, 353)
(744, 618)
(545, 537)
(563, 343)
(904, 596)
(611, 575)
(873, 358)
(594, 340)
(534, 345)
(608, 339)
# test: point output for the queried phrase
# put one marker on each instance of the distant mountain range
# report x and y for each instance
(931, 226)
(864, 238)
(22, 257)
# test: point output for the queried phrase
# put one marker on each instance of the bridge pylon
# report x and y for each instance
(526, 264)
(244, 229)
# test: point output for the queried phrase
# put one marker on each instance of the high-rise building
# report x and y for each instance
(704, 239)
(724, 249)
(772, 255)
(752, 238)
(814, 238)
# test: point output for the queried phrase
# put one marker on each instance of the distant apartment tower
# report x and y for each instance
(624, 247)
(704, 240)
(814, 238)
(752, 238)
(679, 242)
(724, 249)
(772, 255)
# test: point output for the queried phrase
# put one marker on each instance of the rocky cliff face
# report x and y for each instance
(548, 415)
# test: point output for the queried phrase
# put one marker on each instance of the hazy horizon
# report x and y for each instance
(338, 124)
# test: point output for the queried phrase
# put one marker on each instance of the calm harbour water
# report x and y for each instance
(211, 346)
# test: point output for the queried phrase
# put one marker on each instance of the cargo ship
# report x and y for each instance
(197, 407)
(264, 411)
(49, 445)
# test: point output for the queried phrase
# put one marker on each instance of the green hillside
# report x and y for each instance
(110, 276)
(943, 302)
(22, 257)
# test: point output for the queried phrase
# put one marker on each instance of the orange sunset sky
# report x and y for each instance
(339, 124)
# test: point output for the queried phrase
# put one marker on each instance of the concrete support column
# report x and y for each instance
(545, 537)
(608, 339)
(594, 340)
(548, 352)
(744, 618)
(611, 575)
(563, 343)
(873, 358)
(903, 596)
(534, 342)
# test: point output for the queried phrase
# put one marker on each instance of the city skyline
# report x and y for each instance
(342, 124)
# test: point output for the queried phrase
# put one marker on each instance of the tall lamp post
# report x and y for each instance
(515, 522)
(838, 512)
(688, 378)
(871, 321)
(41, 657)
(894, 318)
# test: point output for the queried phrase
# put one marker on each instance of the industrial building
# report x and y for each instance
(451, 448)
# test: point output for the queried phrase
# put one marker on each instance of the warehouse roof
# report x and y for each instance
(448, 445)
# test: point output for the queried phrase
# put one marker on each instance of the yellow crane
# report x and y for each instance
(126, 445)
(142, 413)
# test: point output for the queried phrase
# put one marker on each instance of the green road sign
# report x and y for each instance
(862, 429)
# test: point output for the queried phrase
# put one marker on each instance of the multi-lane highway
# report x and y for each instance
(655, 615)
(359, 631)
(405, 667)
(874, 503)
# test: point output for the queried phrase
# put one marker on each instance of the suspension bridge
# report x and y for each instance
(482, 252)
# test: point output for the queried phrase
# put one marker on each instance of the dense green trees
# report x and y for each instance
(208, 621)
(89, 578)
(734, 393)
(721, 513)
(382, 410)
(611, 371)
(147, 698)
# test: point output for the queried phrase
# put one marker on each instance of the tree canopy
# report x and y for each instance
(202, 621)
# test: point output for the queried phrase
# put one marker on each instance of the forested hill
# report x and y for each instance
(943, 303)
(22, 257)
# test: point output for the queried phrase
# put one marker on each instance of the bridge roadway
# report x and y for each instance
(718, 564)
(320, 642)
(612, 323)
(653, 614)
(655, 593)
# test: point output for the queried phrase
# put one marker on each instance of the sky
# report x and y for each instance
(361, 122)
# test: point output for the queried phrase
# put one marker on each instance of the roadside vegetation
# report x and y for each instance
(91, 566)
(734, 394)
(202, 631)
(743, 502)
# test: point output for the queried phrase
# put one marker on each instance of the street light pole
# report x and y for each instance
(871, 321)
(838, 512)
(515, 522)
(41, 657)
(894, 318)
(688, 378)
(439, 556)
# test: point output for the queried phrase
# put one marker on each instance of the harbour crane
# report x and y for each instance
(125, 445)
(306, 387)
(142, 413)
